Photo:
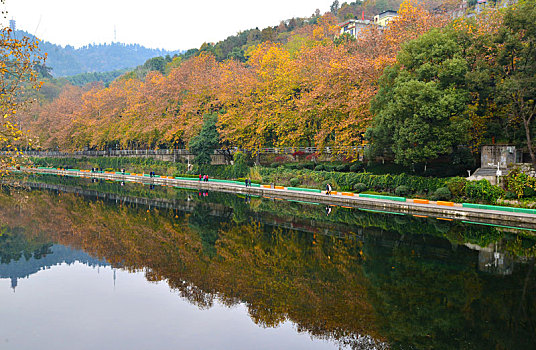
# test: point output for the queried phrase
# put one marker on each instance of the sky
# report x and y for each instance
(167, 24)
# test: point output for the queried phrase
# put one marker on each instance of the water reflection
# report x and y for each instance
(351, 277)
(21, 258)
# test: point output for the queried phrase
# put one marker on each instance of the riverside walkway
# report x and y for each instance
(466, 212)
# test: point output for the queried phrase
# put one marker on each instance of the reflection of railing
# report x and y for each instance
(185, 152)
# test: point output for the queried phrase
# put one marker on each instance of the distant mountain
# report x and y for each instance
(67, 61)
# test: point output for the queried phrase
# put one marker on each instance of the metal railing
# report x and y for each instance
(185, 152)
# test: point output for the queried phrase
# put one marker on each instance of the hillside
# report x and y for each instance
(67, 61)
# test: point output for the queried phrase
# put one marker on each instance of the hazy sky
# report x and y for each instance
(165, 24)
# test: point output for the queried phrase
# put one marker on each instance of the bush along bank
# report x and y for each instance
(447, 189)
(456, 188)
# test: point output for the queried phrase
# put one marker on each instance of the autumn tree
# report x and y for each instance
(18, 59)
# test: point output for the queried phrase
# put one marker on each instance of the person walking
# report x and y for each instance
(200, 176)
(328, 189)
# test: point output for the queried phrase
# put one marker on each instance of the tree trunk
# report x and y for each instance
(526, 123)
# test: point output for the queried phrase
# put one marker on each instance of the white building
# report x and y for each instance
(354, 26)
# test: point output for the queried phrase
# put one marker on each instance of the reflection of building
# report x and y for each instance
(354, 26)
(493, 261)
(13, 24)
(385, 17)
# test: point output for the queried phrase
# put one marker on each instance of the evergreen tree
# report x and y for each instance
(204, 144)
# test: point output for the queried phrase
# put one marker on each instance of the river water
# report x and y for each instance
(102, 265)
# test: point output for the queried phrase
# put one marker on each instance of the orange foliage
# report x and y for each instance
(313, 91)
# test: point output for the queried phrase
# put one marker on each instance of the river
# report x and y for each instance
(94, 264)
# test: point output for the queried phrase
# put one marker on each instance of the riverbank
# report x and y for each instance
(442, 210)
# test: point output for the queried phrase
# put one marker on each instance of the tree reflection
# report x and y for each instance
(398, 281)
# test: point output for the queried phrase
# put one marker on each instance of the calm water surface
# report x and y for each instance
(87, 265)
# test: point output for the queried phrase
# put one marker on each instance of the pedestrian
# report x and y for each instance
(206, 179)
(200, 176)
(328, 189)
(246, 181)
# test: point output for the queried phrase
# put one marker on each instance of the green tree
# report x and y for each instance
(334, 8)
(204, 144)
(420, 106)
(516, 67)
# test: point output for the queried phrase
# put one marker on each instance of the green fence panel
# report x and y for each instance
(377, 196)
(524, 211)
(185, 178)
(488, 207)
(304, 189)
(217, 180)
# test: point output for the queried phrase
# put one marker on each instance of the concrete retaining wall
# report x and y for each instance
(377, 203)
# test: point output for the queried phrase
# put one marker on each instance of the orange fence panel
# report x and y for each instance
(421, 201)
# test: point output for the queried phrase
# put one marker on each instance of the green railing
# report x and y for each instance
(304, 189)
(377, 196)
(499, 208)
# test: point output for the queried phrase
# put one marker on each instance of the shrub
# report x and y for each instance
(456, 186)
(483, 191)
(319, 167)
(274, 165)
(529, 192)
(356, 167)
(360, 187)
(309, 165)
(342, 167)
(280, 159)
(442, 194)
(402, 191)
(517, 182)
(329, 167)
(295, 182)
(510, 195)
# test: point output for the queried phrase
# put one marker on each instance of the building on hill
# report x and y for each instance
(384, 17)
(13, 24)
(353, 26)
